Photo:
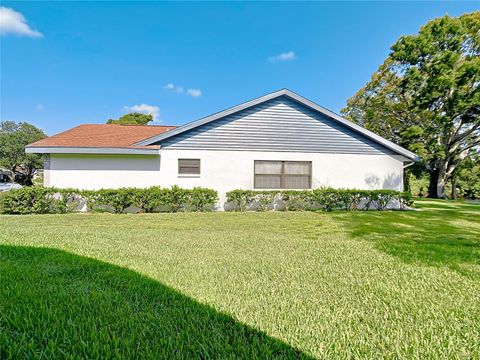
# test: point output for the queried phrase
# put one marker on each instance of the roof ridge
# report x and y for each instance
(138, 125)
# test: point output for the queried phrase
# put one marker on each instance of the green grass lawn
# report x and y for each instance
(242, 285)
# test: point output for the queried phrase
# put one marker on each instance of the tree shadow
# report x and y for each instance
(54, 304)
(441, 234)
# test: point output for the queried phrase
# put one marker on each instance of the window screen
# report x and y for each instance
(189, 166)
(283, 174)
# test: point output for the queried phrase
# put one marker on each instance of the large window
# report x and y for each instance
(189, 166)
(283, 174)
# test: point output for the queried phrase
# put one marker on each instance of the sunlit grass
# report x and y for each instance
(360, 284)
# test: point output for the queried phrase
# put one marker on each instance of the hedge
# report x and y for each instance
(326, 199)
(40, 200)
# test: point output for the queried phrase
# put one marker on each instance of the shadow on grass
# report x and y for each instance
(57, 305)
(441, 234)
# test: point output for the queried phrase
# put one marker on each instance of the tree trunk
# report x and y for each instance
(406, 180)
(454, 187)
(436, 187)
(432, 186)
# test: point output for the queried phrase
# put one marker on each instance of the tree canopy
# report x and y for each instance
(426, 96)
(13, 139)
(134, 118)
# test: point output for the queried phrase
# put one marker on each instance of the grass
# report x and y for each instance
(242, 285)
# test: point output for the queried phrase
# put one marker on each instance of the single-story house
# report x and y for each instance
(278, 141)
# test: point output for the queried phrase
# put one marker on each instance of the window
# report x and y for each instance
(283, 174)
(189, 166)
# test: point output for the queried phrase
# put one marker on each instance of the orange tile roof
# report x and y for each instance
(103, 136)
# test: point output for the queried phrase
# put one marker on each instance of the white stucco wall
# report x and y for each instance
(93, 172)
(220, 170)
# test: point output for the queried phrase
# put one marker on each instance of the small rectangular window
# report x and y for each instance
(189, 166)
(283, 174)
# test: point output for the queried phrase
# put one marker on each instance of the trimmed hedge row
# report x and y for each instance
(40, 200)
(325, 199)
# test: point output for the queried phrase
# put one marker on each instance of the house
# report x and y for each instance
(278, 141)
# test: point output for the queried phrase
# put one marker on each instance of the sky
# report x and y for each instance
(67, 63)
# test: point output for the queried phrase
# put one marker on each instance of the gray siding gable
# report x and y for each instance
(279, 124)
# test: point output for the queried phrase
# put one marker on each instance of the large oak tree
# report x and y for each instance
(426, 96)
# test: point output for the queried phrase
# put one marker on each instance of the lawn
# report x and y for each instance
(242, 285)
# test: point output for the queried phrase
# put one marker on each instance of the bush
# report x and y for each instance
(349, 199)
(116, 199)
(294, 200)
(176, 198)
(326, 199)
(149, 199)
(33, 200)
(240, 199)
(40, 200)
(265, 200)
(70, 198)
(201, 198)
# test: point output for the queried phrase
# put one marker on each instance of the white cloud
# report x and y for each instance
(12, 22)
(181, 90)
(145, 109)
(194, 92)
(286, 56)
(172, 87)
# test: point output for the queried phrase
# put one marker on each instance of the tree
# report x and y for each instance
(426, 96)
(467, 177)
(134, 118)
(13, 139)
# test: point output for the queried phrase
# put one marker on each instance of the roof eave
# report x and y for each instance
(89, 150)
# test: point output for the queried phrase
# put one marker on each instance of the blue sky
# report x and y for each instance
(65, 63)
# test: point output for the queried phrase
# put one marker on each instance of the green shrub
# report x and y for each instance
(176, 198)
(381, 198)
(149, 199)
(201, 198)
(33, 200)
(349, 200)
(40, 200)
(70, 198)
(240, 199)
(406, 199)
(90, 197)
(296, 200)
(116, 199)
(326, 199)
(265, 200)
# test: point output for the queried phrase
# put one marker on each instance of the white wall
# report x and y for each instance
(92, 172)
(229, 170)
(220, 170)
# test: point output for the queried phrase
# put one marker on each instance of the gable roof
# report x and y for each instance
(101, 136)
(290, 94)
